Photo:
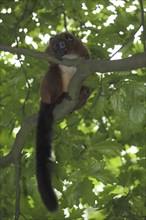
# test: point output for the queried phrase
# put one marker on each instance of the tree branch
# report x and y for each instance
(84, 69)
(21, 136)
(103, 66)
(18, 190)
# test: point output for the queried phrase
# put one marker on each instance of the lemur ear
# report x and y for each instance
(51, 39)
(69, 37)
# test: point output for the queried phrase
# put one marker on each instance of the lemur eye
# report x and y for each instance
(62, 44)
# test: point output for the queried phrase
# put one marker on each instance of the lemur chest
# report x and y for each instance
(67, 73)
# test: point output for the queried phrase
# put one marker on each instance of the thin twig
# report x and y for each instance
(65, 22)
(23, 216)
(18, 190)
(28, 87)
(23, 14)
(143, 24)
(127, 42)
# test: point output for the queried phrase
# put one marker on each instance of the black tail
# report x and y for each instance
(43, 156)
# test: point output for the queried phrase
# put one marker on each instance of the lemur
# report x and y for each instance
(54, 89)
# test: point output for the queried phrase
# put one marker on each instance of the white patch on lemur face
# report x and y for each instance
(67, 72)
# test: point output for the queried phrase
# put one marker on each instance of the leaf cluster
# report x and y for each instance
(99, 151)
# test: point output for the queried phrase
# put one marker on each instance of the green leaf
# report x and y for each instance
(137, 113)
(90, 145)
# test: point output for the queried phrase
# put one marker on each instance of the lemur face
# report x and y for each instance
(60, 48)
(60, 44)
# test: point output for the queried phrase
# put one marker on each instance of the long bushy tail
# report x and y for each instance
(43, 156)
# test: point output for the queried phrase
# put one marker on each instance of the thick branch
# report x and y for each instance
(21, 136)
(126, 64)
(103, 66)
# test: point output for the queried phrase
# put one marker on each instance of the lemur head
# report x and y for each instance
(61, 44)
(66, 43)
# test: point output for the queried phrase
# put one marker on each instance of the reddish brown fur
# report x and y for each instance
(55, 82)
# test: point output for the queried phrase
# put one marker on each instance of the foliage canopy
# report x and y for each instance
(100, 150)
